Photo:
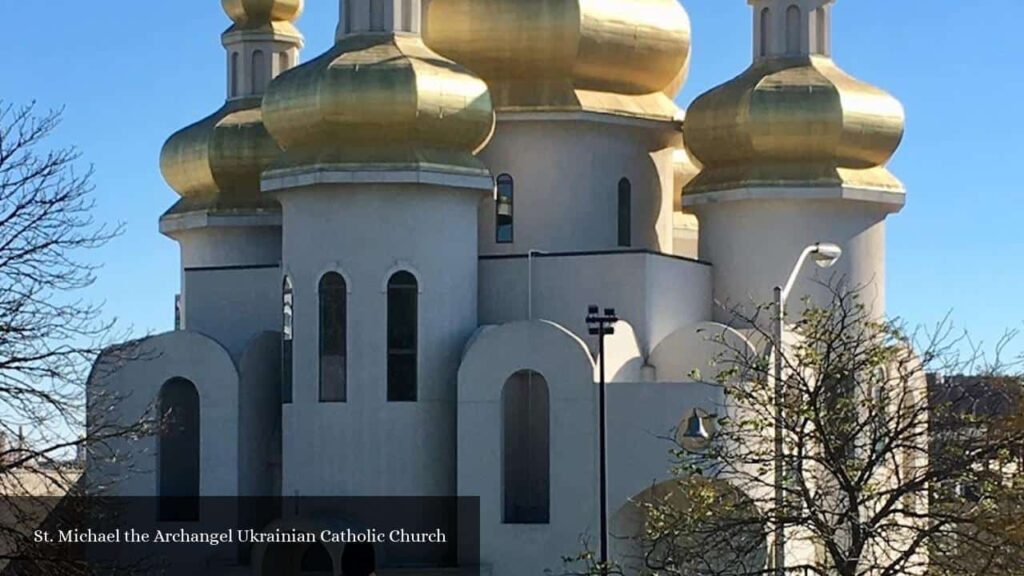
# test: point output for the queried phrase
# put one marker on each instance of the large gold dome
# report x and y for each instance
(794, 122)
(379, 99)
(263, 14)
(216, 163)
(619, 56)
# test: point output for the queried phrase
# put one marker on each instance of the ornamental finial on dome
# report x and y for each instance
(794, 118)
(251, 14)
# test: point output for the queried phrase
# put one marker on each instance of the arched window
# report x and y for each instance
(793, 37)
(178, 452)
(316, 560)
(287, 339)
(625, 213)
(504, 210)
(765, 15)
(403, 336)
(407, 15)
(259, 72)
(526, 456)
(234, 73)
(333, 338)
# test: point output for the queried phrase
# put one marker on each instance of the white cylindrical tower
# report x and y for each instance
(586, 125)
(230, 235)
(380, 189)
(793, 153)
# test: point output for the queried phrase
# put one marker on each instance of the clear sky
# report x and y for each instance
(130, 73)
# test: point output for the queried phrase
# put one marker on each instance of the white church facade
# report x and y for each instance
(388, 252)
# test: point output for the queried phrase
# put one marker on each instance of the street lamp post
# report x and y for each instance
(602, 325)
(825, 256)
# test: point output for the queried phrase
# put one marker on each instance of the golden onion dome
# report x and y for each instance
(618, 56)
(379, 99)
(794, 122)
(216, 163)
(276, 15)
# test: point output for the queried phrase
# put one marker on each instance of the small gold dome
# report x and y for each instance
(379, 99)
(794, 122)
(216, 163)
(619, 56)
(263, 14)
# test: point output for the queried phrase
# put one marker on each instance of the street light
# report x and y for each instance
(825, 255)
(602, 325)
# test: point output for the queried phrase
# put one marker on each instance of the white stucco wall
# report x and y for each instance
(232, 305)
(259, 416)
(127, 390)
(567, 169)
(366, 232)
(655, 294)
(562, 359)
(754, 244)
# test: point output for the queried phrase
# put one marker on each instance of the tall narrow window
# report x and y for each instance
(333, 338)
(793, 37)
(287, 339)
(504, 210)
(407, 15)
(403, 337)
(234, 73)
(526, 457)
(625, 213)
(178, 452)
(765, 15)
(259, 72)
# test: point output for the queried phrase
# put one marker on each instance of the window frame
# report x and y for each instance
(414, 289)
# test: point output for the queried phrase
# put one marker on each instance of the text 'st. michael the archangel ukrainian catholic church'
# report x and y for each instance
(388, 252)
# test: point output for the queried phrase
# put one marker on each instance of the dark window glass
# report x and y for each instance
(794, 38)
(526, 455)
(403, 336)
(625, 213)
(287, 339)
(178, 452)
(504, 210)
(333, 338)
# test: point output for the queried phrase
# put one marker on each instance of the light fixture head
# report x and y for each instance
(826, 254)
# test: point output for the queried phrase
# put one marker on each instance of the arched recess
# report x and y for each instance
(259, 72)
(526, 449)
(729, 540)
(333, 358)
(403, 336)
(179, 451)
(763, 32)
(794, 39)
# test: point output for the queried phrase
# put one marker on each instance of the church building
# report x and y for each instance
(389, 252)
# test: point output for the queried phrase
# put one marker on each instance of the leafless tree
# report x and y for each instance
(49, 334)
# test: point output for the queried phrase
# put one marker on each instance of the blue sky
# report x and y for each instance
(130, 73)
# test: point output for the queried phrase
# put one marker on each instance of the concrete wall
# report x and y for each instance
(754, 244)
(656, 294)
(567, 170)
(126, 385)
(367, 232)
(232, 305)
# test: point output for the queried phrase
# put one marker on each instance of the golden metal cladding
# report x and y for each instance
(684, 170)
(618, 56)
(217, 162)
(379, 99)
(794, 121)
(248, 14)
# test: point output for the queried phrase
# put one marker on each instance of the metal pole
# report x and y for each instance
(604, 456)
(780, 496)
